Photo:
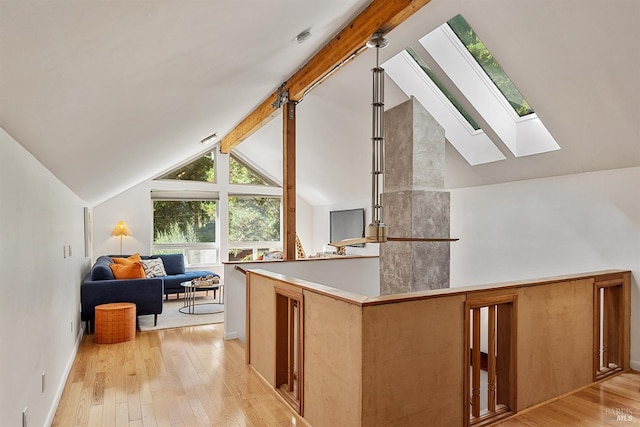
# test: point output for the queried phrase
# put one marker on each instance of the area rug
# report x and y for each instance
(171, 316)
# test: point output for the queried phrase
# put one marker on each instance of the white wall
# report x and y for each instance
(40, 304)
(134, 207)
(356, 275)
(545, 227)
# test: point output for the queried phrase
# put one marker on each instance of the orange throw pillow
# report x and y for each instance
(129, 271)
(127, 261)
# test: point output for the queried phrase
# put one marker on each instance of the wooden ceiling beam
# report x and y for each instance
(380, 16)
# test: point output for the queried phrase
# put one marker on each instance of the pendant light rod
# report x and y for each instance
(377, 229)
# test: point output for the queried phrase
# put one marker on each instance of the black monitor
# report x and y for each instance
(347, 224)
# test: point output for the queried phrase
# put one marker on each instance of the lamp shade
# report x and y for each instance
(121, 229)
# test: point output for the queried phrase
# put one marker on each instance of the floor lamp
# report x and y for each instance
(121, 230)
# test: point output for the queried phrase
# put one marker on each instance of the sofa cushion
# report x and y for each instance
(128, 271)
(153, 267)
(101, 270)
(127, 261)
(173, 263)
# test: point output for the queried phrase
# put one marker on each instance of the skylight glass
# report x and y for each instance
(473, 144)
(429, 72)
(481, 54)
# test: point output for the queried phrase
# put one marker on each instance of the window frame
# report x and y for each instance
(253, 244)
(214, 157)
(188, 246)
(523, 136)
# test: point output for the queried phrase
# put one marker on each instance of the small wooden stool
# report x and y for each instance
(115, 322)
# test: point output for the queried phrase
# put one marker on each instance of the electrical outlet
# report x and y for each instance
(24, 417)
(44, 374)
(64, 251)
(69, 250)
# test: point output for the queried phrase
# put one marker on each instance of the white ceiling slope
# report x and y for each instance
(107, 94)
(573, 61)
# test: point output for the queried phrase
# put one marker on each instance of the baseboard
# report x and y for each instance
(67, 371)
(230, 336)
(635, 365)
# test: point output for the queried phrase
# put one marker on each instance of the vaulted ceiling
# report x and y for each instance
(108, 94)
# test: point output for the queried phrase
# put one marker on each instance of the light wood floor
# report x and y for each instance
(614, 402)
(192, 377)
(176, 377)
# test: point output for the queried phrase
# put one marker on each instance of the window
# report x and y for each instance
(469, 64)
(188, 227)
(415, 78)
(201, 169)
(254, 226)
(241, 173)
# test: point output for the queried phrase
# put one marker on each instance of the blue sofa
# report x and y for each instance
(101, 287)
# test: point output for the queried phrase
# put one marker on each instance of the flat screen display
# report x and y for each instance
(347, 224)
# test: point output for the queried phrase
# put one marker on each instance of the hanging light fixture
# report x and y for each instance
(377, 229)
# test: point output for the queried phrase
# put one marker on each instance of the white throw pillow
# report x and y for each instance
(153, 267)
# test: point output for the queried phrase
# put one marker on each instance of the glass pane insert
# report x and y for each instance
(201, 169)
(429, 72)
(184, 221)
(241, 173)
(481, 53)
(254, 219)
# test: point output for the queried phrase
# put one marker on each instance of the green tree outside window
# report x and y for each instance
(201, 169)
(241, 173)
(254, 219)
(184, 221)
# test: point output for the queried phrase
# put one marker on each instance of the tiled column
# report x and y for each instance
(415, 203)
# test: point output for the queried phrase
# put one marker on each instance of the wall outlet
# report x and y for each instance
(44, 374)
(24, 417)
(69, 250)
(64, 251)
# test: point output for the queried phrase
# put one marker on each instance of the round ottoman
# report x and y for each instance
(115, 322)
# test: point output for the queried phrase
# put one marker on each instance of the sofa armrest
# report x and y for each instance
(147, 294)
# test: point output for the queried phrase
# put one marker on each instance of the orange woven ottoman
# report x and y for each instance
(115, 322)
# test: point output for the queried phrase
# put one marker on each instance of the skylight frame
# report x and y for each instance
(450, 97)
(523, 136)
(497, 65)
(474, 145)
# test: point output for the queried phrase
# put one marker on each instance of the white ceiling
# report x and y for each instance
(108, 94)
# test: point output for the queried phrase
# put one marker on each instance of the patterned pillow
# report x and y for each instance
(153, 267)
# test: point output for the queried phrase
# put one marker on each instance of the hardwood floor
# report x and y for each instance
(614, 402)
(192, 377)
(176, 377)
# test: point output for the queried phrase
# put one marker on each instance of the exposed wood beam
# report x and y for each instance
(289, 180)
(380, 16)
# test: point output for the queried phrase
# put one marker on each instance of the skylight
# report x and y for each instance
(429, 72)
(481, 54)
(471, 142)
(512, 120)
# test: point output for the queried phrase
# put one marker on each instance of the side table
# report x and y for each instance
(190, 297)
(115, 322)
